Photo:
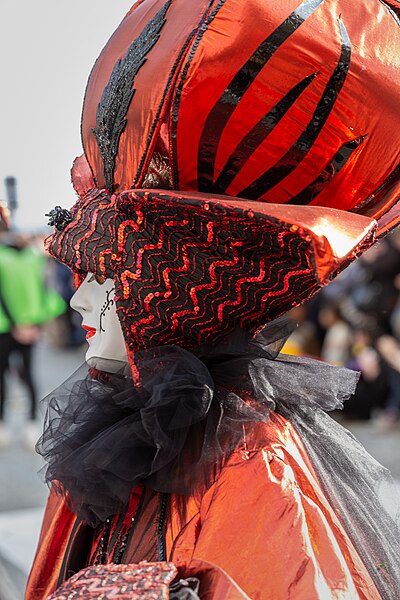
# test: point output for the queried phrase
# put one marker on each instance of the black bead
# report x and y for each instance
(59, 217)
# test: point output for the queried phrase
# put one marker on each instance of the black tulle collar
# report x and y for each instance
(103, 434)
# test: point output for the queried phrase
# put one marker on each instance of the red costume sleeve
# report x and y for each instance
(267, 523)
(56, 529)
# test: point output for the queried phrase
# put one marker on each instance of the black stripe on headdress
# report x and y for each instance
(370, 205)
(257, 135)
(309, 193)
(394, 9)
(223, 109)
(293, 157)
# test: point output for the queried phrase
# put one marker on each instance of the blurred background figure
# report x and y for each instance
(65, 331)
(26, 303)
(373, 386)
(35, 337)
(305, 339)
(389, 349)
(336, 345)
(355, 322)
(4, 216)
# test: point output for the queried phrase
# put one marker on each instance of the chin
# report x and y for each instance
(108, 365)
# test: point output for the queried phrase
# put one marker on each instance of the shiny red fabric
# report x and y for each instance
(265, 522)
(271, 121)
(218, 95)
(57, 526)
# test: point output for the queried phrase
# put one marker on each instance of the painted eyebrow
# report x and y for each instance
(100, 280)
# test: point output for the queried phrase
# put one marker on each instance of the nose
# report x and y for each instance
(80, 301)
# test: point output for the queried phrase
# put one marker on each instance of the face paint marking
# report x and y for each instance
(109, 302)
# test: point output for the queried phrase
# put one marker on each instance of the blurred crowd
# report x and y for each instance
(355, 322)
(34, 296)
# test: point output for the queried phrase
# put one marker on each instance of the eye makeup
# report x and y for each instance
(100, 280)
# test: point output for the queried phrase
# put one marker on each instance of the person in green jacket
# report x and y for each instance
(25, 304)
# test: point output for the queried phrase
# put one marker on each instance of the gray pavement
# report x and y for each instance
(20, 486)
(23, 494)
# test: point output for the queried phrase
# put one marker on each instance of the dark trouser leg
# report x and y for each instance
(2, 391)
(5, 349)
(26, 376)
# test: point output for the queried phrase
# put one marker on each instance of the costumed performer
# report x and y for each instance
(238, 155)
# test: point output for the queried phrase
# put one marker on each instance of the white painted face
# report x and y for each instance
(95, 302)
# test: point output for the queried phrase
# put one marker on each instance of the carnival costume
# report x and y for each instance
(238, 155)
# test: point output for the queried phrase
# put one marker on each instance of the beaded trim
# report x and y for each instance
(118, 93)
(189, 269)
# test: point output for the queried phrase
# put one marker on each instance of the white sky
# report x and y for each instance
(47, 49)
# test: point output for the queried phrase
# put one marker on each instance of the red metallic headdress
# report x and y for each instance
(276, 123)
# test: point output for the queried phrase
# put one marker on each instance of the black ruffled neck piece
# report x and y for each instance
(103, 435)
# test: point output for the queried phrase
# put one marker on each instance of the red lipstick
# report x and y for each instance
(90, 331)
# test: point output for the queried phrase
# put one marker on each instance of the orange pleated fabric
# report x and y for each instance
(57, 525)
(265, 522)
